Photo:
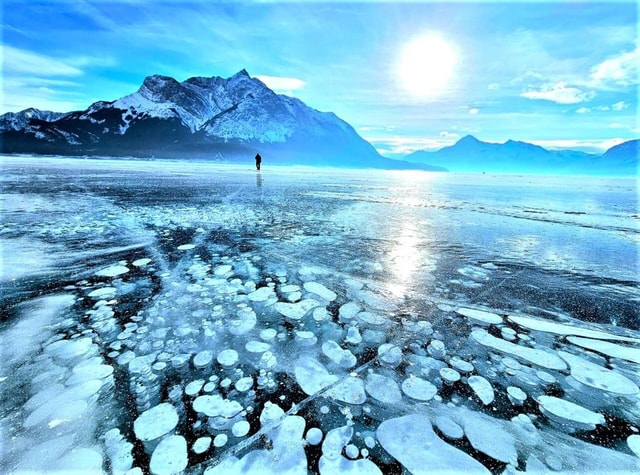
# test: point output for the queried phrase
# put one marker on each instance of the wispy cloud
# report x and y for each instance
(561, 93)
(586, 145)
(399, 146)
(21, 61)
(282, 85)
(620, 70)
(474, 110)
(449, 135)
(46, 82)
(618, 106)
(583, 110)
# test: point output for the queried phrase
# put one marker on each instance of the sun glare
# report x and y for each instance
(426, 65)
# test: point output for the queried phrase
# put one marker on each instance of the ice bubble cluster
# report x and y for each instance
(216, 359)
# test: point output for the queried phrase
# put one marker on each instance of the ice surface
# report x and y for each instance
(365, 298)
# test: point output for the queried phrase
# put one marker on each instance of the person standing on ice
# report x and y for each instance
(258, 161)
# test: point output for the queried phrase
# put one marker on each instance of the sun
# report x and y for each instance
(426, 65)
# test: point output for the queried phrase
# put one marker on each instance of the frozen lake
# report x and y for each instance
(169, 317)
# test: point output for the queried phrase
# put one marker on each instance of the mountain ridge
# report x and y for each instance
(201, 117)
(469, 154)
(230, 119)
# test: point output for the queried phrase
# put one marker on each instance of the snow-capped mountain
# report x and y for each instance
(20, 120)
(472, 155)
(200, 117)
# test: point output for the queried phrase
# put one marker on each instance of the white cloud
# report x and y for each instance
(616, 125)
(586, 145)
(559, 92)
(583, 110)
(282, 84)
(449, 135)
(401, 146)
(474, 110)
(19, 61)
(618, 106)
(621, 70)
(494, 86)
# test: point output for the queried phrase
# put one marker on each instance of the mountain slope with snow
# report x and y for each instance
(20, 120)
(230, 119)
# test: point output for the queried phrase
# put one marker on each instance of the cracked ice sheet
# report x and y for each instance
(218, 241)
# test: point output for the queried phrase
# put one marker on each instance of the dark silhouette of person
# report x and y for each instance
(258, 161)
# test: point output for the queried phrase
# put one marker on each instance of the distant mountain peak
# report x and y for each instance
(468, 139)
(242, 72)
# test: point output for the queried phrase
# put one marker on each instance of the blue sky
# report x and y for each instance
(559, 74)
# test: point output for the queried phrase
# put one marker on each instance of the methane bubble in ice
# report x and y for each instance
(314, 436)
(320, 290)
(428, 451)
(480, 316)
(383, 389)
(569, 414)
(156, 422)
(113, 271)
(419, 389)
(170, 456)
(482, 388)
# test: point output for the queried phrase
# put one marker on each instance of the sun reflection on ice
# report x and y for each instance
(411, 256)
(404, 259)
